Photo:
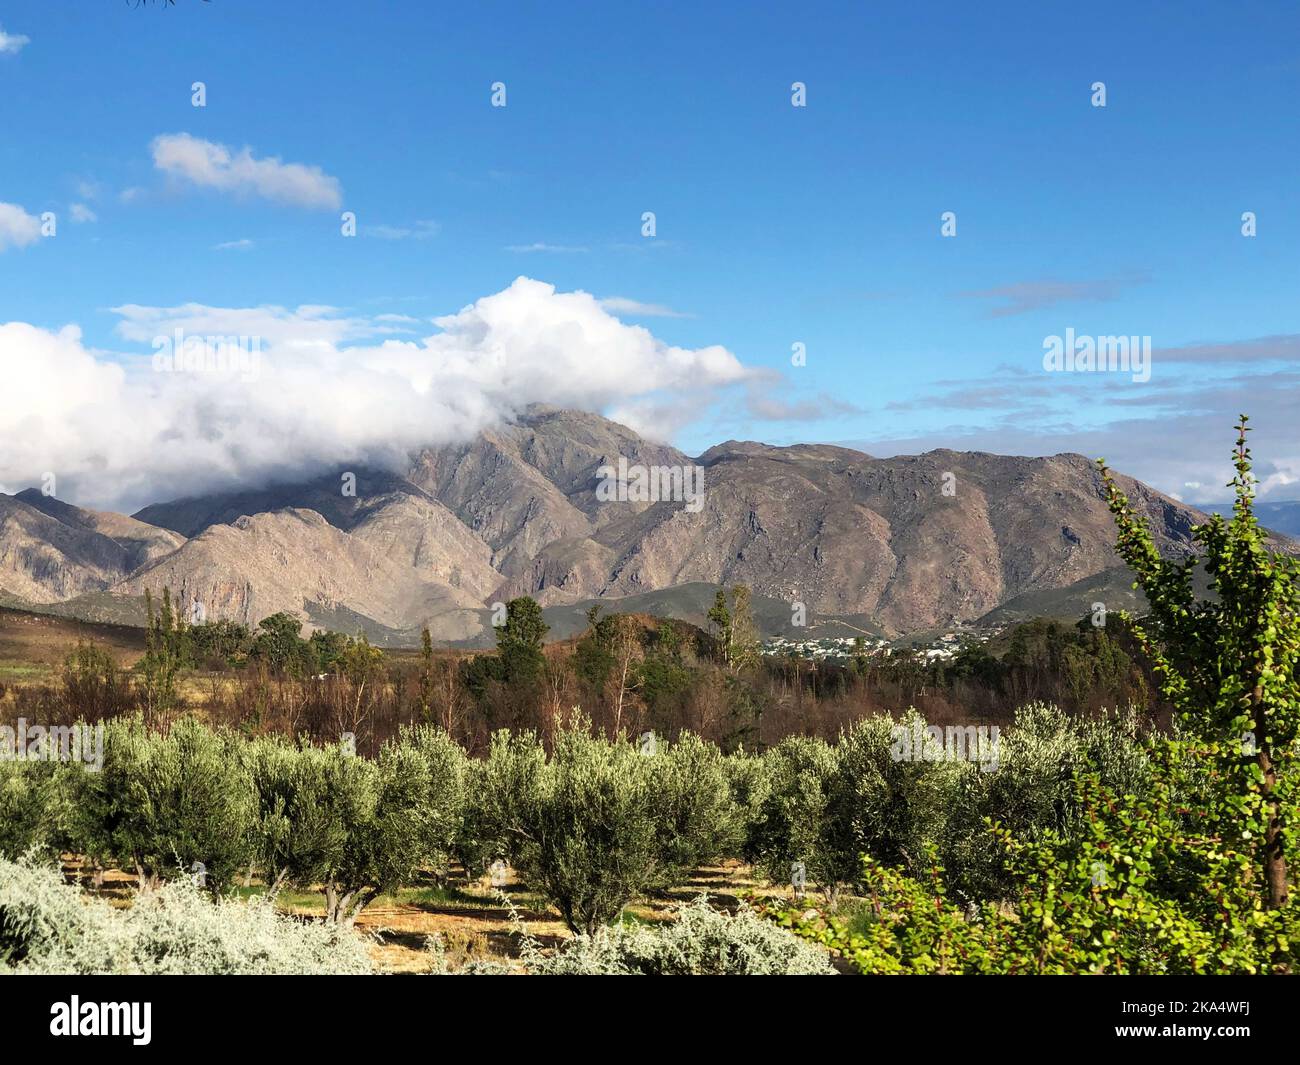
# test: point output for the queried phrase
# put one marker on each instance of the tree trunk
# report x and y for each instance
(1274, 854)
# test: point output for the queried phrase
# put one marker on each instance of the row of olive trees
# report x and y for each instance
(811, 809)
(591, 826)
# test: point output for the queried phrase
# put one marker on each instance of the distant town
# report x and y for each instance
(845, 648)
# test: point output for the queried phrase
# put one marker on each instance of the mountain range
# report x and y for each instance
(882, 545)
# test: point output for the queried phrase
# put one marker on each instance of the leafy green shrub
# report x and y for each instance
(1229, 662)
(1147, 887)
(48, 926)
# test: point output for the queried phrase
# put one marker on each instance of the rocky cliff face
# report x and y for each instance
(910, 542)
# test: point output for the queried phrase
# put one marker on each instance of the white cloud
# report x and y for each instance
(243, 244)
(562, 249)
(421, 230)
(12, 43)
(215, 166)
(17, 227)
(637, 309)
(81, 213)
(332, 388)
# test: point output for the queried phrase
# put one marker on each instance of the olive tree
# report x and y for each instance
(501, 796)
(361, 824)
(590, 838)
(699, 820)
(166, 805)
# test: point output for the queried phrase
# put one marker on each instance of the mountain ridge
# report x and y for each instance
(909, 542)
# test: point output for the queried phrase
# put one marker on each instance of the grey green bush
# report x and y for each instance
(701, 941)
(49, 926)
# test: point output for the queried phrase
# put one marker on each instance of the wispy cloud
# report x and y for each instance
(17, 227)
(637, 309)
(12, 43)
(1173, 432)
(1022, 297)
(79, 212)
(243, 244)
(762, 404)
(423, 229)
(557, 249)
(1283, 348)
(214, 166)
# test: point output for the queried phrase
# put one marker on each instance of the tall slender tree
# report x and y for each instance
(1228, 662)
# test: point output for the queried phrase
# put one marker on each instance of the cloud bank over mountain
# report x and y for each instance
(286, 393)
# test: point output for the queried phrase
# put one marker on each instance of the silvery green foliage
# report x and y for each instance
(700, 942)
(599, 822)
(442, 796)
(1033, 789)
(371, 821)
(825, 805)
(48, 926)
(359, 827)
(162, 803)
(789, 820)
(749, 783)
(699, 819)
(879, 804)
(591, 839)
(31, 806)
(502, 793)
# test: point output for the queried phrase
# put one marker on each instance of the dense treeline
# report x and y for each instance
(630, 673)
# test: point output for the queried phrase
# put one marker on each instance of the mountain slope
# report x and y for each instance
(904, 543)
(293, 559)
(143, 542)
(51, 551)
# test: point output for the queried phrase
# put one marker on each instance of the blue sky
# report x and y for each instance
(775, 224)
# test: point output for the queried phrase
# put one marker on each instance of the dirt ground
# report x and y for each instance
(469, 917)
